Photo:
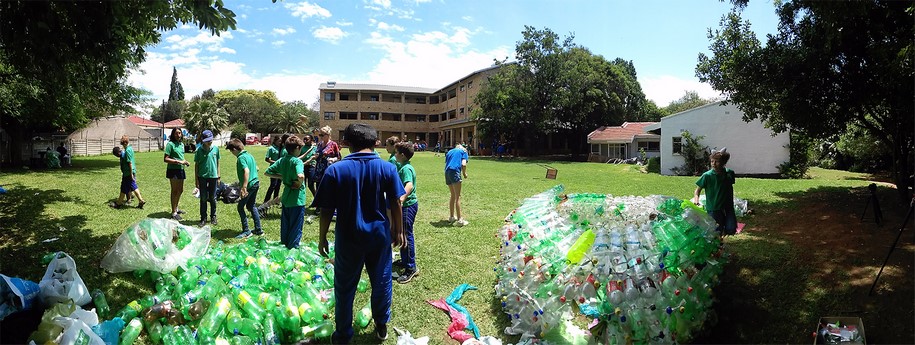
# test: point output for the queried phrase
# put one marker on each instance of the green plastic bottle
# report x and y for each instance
(101, 304)
(253, 311)
(362, 286)
(236, 324)
(272, 331)
(155, 331)
(131, 332)
(364, 316)
(130, 311)
(289, 318)
(214, 318)
(581, 246)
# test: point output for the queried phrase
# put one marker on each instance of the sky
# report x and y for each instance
(291, 47)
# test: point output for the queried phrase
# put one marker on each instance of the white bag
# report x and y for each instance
(76, 332)
(62, 283)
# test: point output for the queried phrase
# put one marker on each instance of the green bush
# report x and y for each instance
(654, 165)
(238, 131)
(798, 163)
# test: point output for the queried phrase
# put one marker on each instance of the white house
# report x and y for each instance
(623, 142)
(754, 149)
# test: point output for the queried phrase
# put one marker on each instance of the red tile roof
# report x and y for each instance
(178, 123)
(625, 133)
(139, 121)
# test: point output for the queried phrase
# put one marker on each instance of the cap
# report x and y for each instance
(207, 136)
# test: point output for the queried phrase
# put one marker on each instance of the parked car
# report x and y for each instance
(251, 140)
(265, 140)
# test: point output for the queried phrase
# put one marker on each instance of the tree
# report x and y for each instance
(203, 114)
(258, 110)
(175, 91)
(830, 65)
(64, 63)
(689, 101)
(297, 117)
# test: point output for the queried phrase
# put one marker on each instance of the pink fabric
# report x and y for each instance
(332, 150)
(740, 227)
(458, 321)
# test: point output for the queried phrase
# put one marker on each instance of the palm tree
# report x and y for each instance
(291, 121)
(203, 114)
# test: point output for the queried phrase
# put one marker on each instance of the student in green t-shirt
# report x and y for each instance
(389, 145)
(273, 155)
(718, 183)
(292, 173)
(249, 183)
(308, 159)
(128, 174)
(206, 172)
(403, 154)
(174, 172)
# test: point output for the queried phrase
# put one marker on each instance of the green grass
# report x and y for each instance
(71, 204)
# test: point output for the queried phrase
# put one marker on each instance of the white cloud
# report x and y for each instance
(382, 3)
(283, 32)
(344, 23)
(329, 34)
(386, 27)
(422, 1)
(279, 43)
(259, 40)
(212, 42)
(243, 16)
(306, 9)
(227, 50)
(467, 18)
(665, 89)
(431, 59)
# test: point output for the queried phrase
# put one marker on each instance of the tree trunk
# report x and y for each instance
(902, 170)
(17, 139)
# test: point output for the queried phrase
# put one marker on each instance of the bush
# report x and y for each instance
(238, 131)
(798, 157)
(654, 165)
(695, 156)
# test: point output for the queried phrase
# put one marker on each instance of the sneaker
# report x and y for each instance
(213, 220)
(176, 216)
(140, 205)
(243, 235)
(381, 332)
(407, 276)
(452, 219)
(115, 205)
(180, 211)
(202, 223)
(258, 233)
(461, 222)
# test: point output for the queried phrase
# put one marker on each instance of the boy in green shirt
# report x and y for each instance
(719, 192)
(403, 154)
(273, 155)
(247, 180)
(128, 175)
(389, 145)
(206, 171)
(308, 159)
(292, 173)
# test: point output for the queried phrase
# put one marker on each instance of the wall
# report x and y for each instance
(753, 148)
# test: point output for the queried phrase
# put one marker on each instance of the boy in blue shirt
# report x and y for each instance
(719, 193)
(361, 188)
(292, 173)
(455, 165)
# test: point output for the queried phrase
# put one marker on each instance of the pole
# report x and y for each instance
(898, 235)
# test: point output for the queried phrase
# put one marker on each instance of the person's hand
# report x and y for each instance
(399, 240)
(296, 185)
(465, 174)
(186, 163)
(244, 192)
(696, 200)
(322, 247)
(134, 177)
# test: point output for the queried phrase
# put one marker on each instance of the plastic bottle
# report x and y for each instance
(364, 316)
(155, 331)
(252, 310)
(272, 331)
(158, 311)
(236, 324)
(197, 310)
(289, 318)
(583, 244)
(130, 311)
(214, 317)
(131, 332)
(362, 286)
(101, 304)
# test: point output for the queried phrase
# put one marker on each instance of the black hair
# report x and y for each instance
(360, 136)
(116, 151)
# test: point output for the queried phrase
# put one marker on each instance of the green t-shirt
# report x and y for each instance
(273, 153)
(207, 162)
(283, 153)
(393, 160)
(719, 189)
(407, 174)
(128, 166)
(175, 151)
(289, 167)
(246, 160)
(310, 151)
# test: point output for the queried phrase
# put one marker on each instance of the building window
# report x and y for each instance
(433, 118)
(462, 88)
(349, 116)
(678, 145)
(328, 115)
(373, 98)
(329, 96)
(344, 97)
(470, 85)
(650, 146)
(462, 110)
(420, 118)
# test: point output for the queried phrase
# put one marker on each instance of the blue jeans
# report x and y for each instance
(408, 254)
(274, 190)
(248, 203)
(207, 195)
(726, 219)
(291, 221)
(351, 256)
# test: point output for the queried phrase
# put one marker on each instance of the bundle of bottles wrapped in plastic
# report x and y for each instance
(254, 292)
(632, 269)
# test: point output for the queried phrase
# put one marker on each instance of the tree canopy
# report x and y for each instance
(830, 65)
(689, 100)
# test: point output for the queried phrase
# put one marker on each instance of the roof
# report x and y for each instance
(177, 123)
(110, 128)
(139, 121)
(625, 133)
(716, 103)
(395, 88)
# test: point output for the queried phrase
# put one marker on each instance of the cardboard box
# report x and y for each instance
(849, 321)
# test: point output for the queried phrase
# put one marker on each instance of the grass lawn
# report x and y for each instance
(774, 291)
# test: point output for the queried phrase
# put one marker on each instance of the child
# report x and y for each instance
(247, 180)
(455, 165)
(206, 173)
(308, 159)
(292, 173)
(128, 175)
(719, 192)
(410, 207)
(273, 155)
(389, 146)
(356, 188)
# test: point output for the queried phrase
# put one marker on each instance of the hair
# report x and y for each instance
(393, 140)
(276, 141)
(360, 136)
(284, 138)
(116, 151)
(293, 143)
(176, 132)
(199, 138)
(307, 138)
(235, 145)
(721, 156)
(404, 148)
(459, 146)
(325, 130)
(125, 139)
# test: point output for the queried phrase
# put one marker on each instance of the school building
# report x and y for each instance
(412, 113)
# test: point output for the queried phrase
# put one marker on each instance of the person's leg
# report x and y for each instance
(177, 187)
(719, 218)
(249, 203)
(408, 254)
(378, 267)
(730, 222)
(451, 203)
(203, 200)
(284, 226)
(347, 268)
(136, 192)
(457, 199)
(211, 197)
(242, 204)
(297, 222)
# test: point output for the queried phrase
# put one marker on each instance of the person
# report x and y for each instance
(308, 159)
(718, 183)
(273, 155)
(174, 171)
(389, 144)
(290, 170)
(328, 153)
(246, 169)
(360, 188)
(206, 172)
(128, 174)
(64, 154)
(51, 158)
(455, 166)
(410, 205)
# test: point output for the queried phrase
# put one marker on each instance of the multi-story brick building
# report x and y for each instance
(413, 113)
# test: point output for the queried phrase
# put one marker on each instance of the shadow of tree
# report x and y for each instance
(80, 165)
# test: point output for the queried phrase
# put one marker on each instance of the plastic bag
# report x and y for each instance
(62, 283)
(109, 330)
(76, 332)
(16, 294)
(405, 338)
(159, 245)
(48, 330)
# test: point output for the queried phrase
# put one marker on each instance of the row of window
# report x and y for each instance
(329, 115)
(331, 96)
(619, 150)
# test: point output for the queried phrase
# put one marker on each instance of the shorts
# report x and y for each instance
(727, 221)
(452, 177)
(128, 184)
(175, 174)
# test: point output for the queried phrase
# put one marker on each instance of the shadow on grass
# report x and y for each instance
(441, 224)
(80, 165)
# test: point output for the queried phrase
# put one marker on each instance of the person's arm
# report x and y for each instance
(397, 236)
(299, 182)
(324, 225)
(244, 184)
(696, 195)
(464, 167)
(271, 171)
(196, 172)
(408, 188)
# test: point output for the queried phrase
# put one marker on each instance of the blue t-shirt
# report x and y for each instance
(356, 187)
(453, 159)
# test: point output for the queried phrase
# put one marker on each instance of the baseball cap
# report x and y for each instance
(207, 136)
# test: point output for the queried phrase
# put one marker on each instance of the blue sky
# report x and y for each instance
(291, 47)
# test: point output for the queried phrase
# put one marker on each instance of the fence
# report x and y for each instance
(90, 147)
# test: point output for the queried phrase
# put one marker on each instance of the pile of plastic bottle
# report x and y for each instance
(255, 292)
(638, 269)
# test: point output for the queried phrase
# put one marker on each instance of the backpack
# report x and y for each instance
(228, 193)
